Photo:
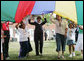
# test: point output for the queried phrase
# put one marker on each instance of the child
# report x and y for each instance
(71, 39)
(79, 44)
(23, 34)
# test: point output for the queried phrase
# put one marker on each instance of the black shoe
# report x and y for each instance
(7, 58)
(37, 54)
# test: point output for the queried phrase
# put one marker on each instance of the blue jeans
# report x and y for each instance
(61, 42)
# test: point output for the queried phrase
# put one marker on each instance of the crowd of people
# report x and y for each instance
(65, 33)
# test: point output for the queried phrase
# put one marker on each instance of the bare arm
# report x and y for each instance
(17, 26)
(3, 36)
(10, 23)
(66, 29)
(81, 27)
(66, 32)
(52, 20)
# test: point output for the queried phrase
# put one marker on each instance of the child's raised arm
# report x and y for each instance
(17, 26)
(29, 20)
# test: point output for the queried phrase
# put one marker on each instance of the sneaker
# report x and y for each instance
(58, 57)
(70, 55)
(37, 54)
(73, 53)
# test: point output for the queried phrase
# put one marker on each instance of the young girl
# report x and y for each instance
(71, 40)
(79, 44)
(23, 37)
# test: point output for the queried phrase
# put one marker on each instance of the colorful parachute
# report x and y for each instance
(15, 11)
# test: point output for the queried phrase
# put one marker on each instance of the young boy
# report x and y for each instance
(23, 36)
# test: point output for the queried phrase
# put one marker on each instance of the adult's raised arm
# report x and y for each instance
(45, 21)
(10, 23)
(29, 20)
(52, 20)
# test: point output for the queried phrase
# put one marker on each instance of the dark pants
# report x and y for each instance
(6, 44)
(38, 39)
(45, 38)
(61, 41)
(76, 37)
(24, 49)
(30, 47)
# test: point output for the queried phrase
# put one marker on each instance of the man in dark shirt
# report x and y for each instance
(38, 34)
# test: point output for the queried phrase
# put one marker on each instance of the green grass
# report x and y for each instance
(49, 52)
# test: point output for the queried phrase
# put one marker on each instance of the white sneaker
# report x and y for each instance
(73, 53)
(70, 55)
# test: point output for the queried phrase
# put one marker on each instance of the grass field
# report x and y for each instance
(49, 52)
